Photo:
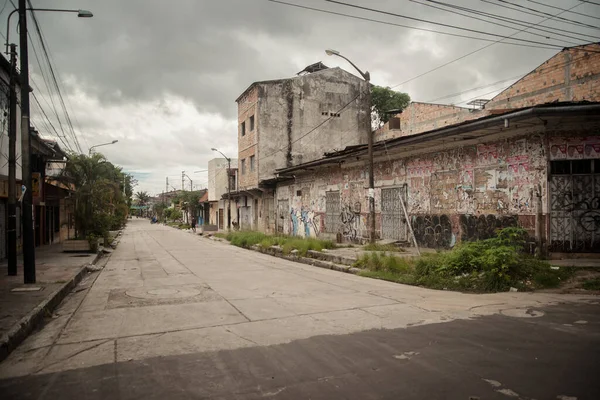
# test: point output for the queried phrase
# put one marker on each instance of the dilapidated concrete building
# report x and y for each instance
(279, 126)
(530, 156)
(218, 188)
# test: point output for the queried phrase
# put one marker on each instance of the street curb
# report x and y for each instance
(276, 251)
(20, 331)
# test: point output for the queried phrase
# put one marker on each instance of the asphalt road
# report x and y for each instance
(176, 316)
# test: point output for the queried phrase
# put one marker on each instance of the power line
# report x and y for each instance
(558, 8)
(46, 83)
(438, 23)
(405, 26)
(546, 69)
(521, 8)
(495, 23)
(50, 122)
(521, 22)
(590, 2)
(472, 52)
(55, 81)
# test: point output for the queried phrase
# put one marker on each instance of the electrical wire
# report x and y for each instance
(521, 8)
(473, 52)
(543, 69)
(405, 26)
(54, 79)
(439, 23)
(558, 8)
(44, 78)
(495, 23)
(550, 29)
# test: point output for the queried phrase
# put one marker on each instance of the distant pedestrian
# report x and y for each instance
(194, 225)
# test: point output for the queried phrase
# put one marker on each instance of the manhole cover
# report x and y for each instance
(162, 293)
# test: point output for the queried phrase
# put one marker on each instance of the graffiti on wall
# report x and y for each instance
(479, 227)
(434, 231)
(304, 222)
(352, 224)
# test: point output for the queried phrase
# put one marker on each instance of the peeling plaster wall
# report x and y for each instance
(289, 109)
(456, 190)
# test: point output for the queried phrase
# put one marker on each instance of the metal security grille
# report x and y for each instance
(332, 212)
(575, 206)
(393, 222)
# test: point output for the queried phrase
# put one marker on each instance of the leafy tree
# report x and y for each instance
(142, 197)
(384, 99)
(100, 204)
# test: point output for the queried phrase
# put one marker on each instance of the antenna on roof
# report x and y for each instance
(478, 104)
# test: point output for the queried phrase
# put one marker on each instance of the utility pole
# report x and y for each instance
(28, 228)
(229, 193)
(371, 170)
(167, 186)
(371, 192)
(12, 166)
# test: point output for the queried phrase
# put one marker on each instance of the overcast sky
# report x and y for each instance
(161, 77)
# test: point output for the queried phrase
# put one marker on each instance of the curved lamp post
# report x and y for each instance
(98, 145)
(228, 187)
(80, 14)
(367, 77)
(27, 201)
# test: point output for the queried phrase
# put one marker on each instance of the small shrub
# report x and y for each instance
(592, 284)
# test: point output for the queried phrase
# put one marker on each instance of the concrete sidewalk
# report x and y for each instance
(20, 302)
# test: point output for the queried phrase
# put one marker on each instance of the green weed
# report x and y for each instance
(592, 284)
(489, 265)
(383, 247)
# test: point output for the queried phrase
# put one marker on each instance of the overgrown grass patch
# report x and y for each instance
(248, 239)
(489, 265)
(383, 247)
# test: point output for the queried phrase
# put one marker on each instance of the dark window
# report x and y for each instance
(560, 167)
(251, 123)
(244, 166)
(394, 123)
(597, 166)
(298, 192)
(243, 129)
(581, 166)
(251, 163)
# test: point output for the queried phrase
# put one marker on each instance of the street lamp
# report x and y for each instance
(228, 187)
(27, 200)
(367, 77)
(98, 145)
(80, 14)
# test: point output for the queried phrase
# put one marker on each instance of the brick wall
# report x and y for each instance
(423, 117)
(248, 144)
(571, 75)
